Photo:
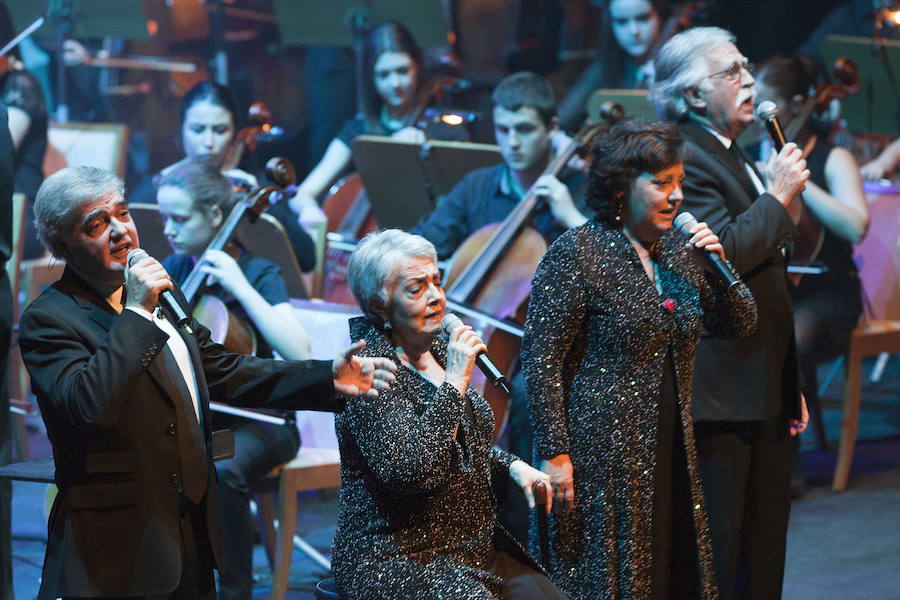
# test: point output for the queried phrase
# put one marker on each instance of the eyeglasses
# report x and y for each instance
(735, 71)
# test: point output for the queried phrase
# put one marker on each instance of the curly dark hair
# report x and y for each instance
(631, 147)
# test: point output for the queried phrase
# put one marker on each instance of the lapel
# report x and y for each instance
(196, 361)
(723, 156)
(103, 316)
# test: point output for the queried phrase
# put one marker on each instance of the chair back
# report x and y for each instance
(878, 255)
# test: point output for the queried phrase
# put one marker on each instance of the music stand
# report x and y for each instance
(80, 19)
(90, 18)
(877, 107)
(318, 23)
(635, 103)
(403, 178)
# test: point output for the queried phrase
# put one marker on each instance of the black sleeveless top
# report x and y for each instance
(836, 253)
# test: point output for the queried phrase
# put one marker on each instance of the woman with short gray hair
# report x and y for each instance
(417, 510)
(373, 262)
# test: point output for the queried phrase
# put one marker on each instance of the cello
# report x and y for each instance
(225, 327)
(491, 271)
(247, 138)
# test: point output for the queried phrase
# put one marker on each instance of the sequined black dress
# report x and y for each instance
(598, 341)
(416, 518)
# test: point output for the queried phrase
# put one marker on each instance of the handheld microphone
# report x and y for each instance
(167, 298)
(451, 323)
(767, 112)
(722, 268)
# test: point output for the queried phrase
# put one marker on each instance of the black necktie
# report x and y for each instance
(191, 446)
(743, 161)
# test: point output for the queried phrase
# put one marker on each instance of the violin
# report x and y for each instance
(225, 327)
(247, 138)
(491, 271)
(811, 233)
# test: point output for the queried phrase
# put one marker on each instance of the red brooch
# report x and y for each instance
(669, 305)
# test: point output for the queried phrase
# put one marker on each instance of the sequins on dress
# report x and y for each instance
(416, 517)
(595, 343)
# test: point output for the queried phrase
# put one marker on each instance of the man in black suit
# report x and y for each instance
(125, 395)
(747, 402)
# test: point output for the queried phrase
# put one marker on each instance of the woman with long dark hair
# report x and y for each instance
(194, 200)
(394, 94)
(208, 124)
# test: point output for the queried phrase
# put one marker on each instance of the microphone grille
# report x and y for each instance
(766, 110)
(684, 222)
(450, 322)
(136, 255)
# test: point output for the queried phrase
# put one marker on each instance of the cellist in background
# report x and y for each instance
(208, 121)
(194, 199)
(524, 124)
(395, 93)
(827, 306)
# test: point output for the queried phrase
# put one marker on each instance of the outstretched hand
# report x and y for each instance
(358, 375)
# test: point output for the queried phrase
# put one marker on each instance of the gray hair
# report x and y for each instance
(681, 64)
(374, 261)
(60, 198)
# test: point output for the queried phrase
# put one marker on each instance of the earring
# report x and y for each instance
(387, 326)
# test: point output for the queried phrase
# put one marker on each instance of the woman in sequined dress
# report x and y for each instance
(416, 518)
(615, 314)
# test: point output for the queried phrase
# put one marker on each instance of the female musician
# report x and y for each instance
(207, 119)
(417, 510)
(826, 306)
(394, 95)
(615, 315)
(194, 199)
(630, 31)
(27, 122)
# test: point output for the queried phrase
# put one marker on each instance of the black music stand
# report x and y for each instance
(634, 102)
(345, 23)
(331, 23)
(403, 179)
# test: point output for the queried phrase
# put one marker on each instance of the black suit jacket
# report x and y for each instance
(110, 416)
(751, 378)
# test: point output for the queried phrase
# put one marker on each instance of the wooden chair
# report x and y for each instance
(311, 469)
(878, 258)
(266, 238)
(103, 145)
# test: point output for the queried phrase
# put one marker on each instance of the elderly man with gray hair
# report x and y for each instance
(124, 390)
(747, 402)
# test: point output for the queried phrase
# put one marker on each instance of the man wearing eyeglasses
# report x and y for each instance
(746, 395)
